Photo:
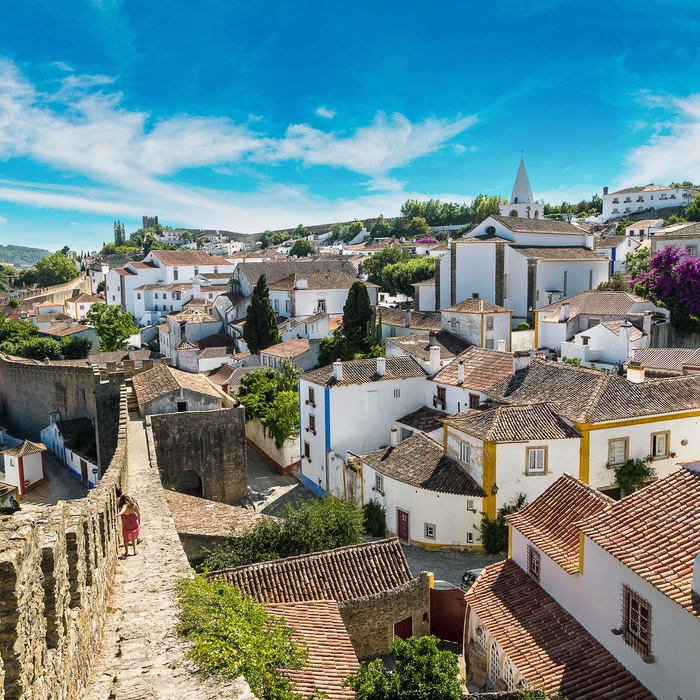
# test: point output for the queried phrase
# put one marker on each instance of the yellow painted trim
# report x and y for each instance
(584, 467)
(537, 330)
(510, 541)
(581, 540)
(489, 478)
(431, 579)
(444, 438)
(638, 421)
(510, 340)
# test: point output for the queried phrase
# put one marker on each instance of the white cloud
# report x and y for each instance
(3, 220)
(325, 112)
(459, 149)
(673, 151)
(83, 128)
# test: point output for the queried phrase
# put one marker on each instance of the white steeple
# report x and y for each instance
(522, 203)
(521, 188)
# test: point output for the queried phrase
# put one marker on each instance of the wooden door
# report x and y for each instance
(404, 628)
(83, 471)
(404, 531)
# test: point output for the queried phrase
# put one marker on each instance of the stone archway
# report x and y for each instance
(187, 481)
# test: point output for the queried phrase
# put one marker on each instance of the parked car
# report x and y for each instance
(469, 577)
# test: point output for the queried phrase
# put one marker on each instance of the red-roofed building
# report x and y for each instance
(599, 598)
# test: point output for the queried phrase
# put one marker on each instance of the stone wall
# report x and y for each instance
(51, 624)
(370, 620)
(30, 392)
(284, 459)
(58, 293)
(209, 443)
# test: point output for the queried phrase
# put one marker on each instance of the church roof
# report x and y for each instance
(521, 188)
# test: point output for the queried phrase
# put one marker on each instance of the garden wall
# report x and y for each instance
(284, 459)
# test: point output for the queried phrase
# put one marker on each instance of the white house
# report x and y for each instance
(523, 627)
(71, 329)
(352, 406)
(397, 322)
(649, 198)
(616, 248)
(479, 322)
(24, 465)
(417, 345)
(685, 236)
(644, 229)
(605, 345)
(519, 264)
(429, 497)
(56, 437)
(301, 351)
(78, 306)
(560, 321)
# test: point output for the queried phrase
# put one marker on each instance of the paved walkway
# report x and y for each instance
(141, 656)
(60, 486)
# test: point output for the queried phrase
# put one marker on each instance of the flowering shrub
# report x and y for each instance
(427, 240)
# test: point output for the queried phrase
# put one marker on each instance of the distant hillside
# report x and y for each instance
(20, 256)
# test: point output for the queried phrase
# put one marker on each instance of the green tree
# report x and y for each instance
(38, 349)
(55, 269)
(617, 283)
(260, 327)
(301, 528)
(301, 232)
(421, 672)
(119, 234)
(380, 228)
(282, 419)
(494, 533)
(692, 211)
(400, 277)
(15, 331)
(5, 272)
(375, 264)
(418, 226)
(355, 228)
(637, 262)
(112, 324)
(75, 347)
(100, 287)
(231, 635)
(357, 313)
(633, 474)
(302, 248)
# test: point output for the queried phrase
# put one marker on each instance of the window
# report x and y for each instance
(312, 395)
(155, 296)
(593, 322)
(321, 305)
(692, 250)
(216, 269)
(628, 199)
(616, 201)
(379, 483)
(489, 323)
(442, 394)
(277, 304)
(138, 295)
(288, 305)
(171, 307)
(372, 402)
(196, 271)
(177, 296)
(307, 451)
(636, 621)
(533, 562)
(181, 406)
(211, 295)
(429, 531)
(566, 274)
(474, 401)
(615, 211)
(640, 199)
(470, 538)
(584, 339)
(264, 359)
(494, 663)
(509, 675)
(175, 273)
(618, 450)
(454, 324)
(659, 445)
(536, 460)
(312, 423)
(397, 393)
(464, 453)
(490, 230)
(489, 344)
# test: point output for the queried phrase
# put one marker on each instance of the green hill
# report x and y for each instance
(20, 256)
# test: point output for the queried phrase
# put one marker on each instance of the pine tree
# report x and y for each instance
(119, 234)
(260, 327)
(357, 314)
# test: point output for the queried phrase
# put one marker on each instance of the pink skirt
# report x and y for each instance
(130, 527)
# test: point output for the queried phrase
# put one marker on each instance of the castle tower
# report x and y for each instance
(522, 202)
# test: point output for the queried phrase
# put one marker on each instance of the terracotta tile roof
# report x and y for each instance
(615, 326)
(289, 348)
(690, 230)
(123, 272)
(513, 223)
(68, 428)
(673, 359)
(655, 533)
(605, 242)
(217, 351)
(60, 330)
(216, 340)
(365, 372)
(482, 369)
(51, 317)
(162, 380)
(198, 516)
(426, 283)
(174, 287)
(331, 657)
(535, 421)
(418, 344)
(551, 521)
(185, 345)
(476, 306)
(596, 303)
(482, 238)
(319, 274)
(25, 448)
(192, 316)
(164, 326)
(340, 574)
(420, 320)
(647, 188)
(425, 419)
(546, 644)
(644, 223)
(587, 395)
(558, 252)
(420, 461)
(173, 258)
(45, 303)
(195, 302)
(85, 299)
(142, 265)
(229, 375)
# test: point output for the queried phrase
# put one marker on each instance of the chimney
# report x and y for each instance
(475, 295)
(501, 346)
(605, 190)
(434, 358)
(394, 436)
(564, 312)
(302, 284)
(635, 373)
(408, 318)
(521, 360)
(646, 322)
(129, 354)
(381, 366)
(460, 372)
(431, 338)
(338, 371)
(626, 335)
(47, 361)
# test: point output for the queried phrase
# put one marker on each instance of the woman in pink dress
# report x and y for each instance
(131, 523)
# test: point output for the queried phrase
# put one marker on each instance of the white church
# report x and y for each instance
(518, 260)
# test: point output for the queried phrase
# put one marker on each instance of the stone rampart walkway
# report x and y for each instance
(141, 657)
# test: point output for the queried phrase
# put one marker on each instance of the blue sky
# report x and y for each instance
(247, 115)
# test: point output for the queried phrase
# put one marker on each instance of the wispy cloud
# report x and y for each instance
(673, 151)
(325, 112)
(3, 220)
(131, 162)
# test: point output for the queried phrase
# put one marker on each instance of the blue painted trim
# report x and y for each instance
(327, 397)
(313, 487)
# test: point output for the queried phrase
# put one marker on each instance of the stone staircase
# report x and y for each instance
(131, 401)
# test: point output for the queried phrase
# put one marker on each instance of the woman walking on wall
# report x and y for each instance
(131, 523)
